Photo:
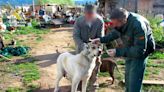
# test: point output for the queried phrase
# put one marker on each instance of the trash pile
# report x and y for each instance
(13, 17)
(10, 19)
(11, 49)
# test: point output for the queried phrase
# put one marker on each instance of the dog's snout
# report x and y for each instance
(100, 50)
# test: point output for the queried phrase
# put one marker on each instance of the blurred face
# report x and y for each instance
(116, 23)
(89, 16)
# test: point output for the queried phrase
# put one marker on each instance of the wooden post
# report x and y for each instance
(131, 5)
(136, 6)
(106, 7)
(33, 5)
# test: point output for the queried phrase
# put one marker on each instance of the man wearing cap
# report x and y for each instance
(138, 43)
(88, 26)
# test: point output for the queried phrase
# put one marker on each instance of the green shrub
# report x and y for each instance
(120, 62)
(155, 64)
(153, 88)
(103, 74)
(2, 59)
(157, 30)
(28, 30)
(28, 71)
(157, 55)
(14, 89)
(34, 23)
(24, 31)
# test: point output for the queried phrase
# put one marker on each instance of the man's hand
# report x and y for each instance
(97, 40)
(111, 52)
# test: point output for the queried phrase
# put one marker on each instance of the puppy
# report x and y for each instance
(77, 67)
(108, 65)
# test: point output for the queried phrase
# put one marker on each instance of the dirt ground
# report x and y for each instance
(46, 54)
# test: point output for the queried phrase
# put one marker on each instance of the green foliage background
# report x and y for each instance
(68, 2)
(157, 30)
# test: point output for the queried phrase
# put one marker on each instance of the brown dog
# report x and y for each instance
(108, 65)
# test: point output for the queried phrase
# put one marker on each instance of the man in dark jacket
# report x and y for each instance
(88, 26)
(136, 34)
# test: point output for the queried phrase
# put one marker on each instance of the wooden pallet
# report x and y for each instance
(151, 82)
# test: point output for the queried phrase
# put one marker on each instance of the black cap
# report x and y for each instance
(90, 8)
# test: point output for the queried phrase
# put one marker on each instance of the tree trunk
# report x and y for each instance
(131, 5)
(106, 7)
(110, 5)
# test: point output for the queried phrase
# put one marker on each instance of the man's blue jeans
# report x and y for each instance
(134, 73)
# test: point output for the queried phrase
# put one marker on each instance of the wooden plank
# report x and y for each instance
(62, 28)
(151, 82)
(121, 66)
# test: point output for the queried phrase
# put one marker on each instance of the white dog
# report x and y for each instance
(77, 67)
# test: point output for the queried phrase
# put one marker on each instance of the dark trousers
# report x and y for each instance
(134, 73)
